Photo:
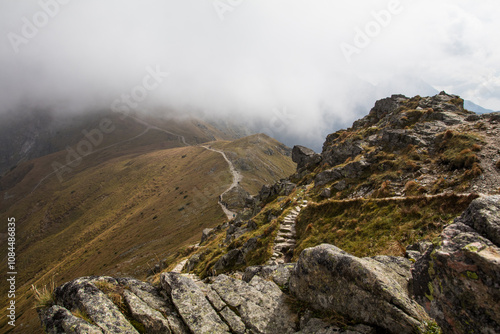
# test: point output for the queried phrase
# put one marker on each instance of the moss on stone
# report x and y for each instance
(431, 271)
(472, 275)
(431, 290)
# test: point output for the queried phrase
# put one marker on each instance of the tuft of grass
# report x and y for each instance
(476, 147)
(383, 191)
(44, 297)
(114, 293)
(457, 149)
(412, 188)
(431, 327)
(82, 315)
(473, 172)
(459, 102)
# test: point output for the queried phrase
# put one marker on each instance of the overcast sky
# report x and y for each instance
(304, 68)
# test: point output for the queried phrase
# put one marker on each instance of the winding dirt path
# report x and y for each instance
(237, 177)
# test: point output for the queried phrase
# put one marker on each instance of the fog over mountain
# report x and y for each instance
(294, 69)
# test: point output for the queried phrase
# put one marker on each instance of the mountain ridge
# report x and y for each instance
(163, 182)
(405, 195)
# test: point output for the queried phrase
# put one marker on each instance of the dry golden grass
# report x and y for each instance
(115, 215)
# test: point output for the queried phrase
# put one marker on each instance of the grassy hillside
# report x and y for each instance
(261, 158)
(118, 218)
(124, 210)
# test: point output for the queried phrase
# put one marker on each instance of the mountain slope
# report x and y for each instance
(396, 177)
(124, 209)
(29, 134)
(382, 225)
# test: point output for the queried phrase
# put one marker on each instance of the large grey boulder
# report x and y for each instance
(351, 170)
(154, 299)
(458, 280)
(192, 304)
(261, 304)
(82, 294)
(363, 289)
(304, 157)
(483, 215)
(154, 322)
(278, 273)
(337, 153)
(282, 187)
(229, 260)
(206, 234)
(58, 320)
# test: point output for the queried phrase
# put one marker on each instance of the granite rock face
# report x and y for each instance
(304, 157)
(281, 188)
(192, 305)
(57, 319)
(82, 294)
(222, 304)
(363, 289)
(458, 281)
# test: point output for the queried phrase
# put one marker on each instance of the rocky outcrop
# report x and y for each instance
(304, 157)
(363, 289)
(458, 280)
(82, 294)
(56, 319)
(222, 304)
(281, 188)
(261, 304)
(350, 170)
(339, 153)
(192, 305)
(403, 139)
(382, 108)
(206, 234)
(112, 305)
(278, 273)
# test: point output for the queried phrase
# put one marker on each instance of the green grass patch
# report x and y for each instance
(368, 227)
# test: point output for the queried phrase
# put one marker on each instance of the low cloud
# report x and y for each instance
(296, 69)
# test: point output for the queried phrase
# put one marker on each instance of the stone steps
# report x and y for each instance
(285, 239)
(287, 228)
(286, 235)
